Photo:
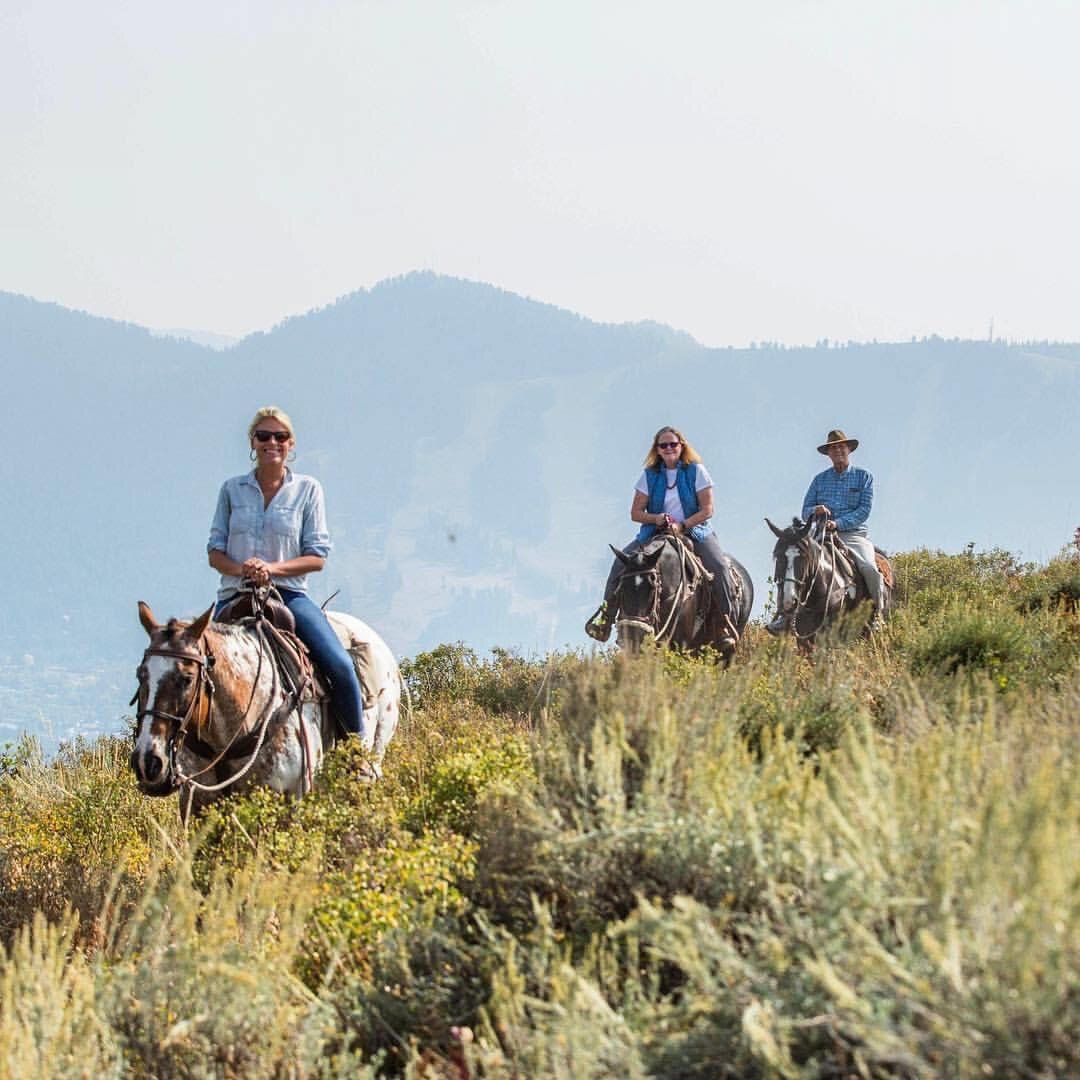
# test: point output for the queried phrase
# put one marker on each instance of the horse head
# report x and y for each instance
(640, 588)
(794, 556)
(174, 693)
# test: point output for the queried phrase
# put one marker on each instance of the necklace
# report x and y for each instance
(673, 482)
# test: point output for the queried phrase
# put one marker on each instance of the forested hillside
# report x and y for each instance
(478, 451)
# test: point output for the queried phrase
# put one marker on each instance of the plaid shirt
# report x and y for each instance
(848, 495)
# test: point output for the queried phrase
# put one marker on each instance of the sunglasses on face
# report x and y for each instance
(277, 436)
(668, 445)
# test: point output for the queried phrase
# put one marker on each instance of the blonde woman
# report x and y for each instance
(675, 491)
(270, 528)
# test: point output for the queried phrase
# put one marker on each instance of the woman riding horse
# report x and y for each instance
(675, 491)
(270, 528)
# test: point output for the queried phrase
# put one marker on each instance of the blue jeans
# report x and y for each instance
(314, 630)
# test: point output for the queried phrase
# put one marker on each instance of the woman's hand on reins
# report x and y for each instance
(256, 570)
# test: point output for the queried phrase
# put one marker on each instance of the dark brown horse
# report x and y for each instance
(817, 580)
(665, 593)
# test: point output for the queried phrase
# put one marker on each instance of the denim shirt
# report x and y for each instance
(293, 524)
(849, 495)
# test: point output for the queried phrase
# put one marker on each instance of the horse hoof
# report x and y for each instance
(367, 773)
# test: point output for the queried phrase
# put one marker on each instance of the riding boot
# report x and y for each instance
(728, 638)
(599, 626)
(779, 624)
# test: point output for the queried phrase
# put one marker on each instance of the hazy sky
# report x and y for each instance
(779, 171)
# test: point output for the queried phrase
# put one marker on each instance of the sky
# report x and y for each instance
(779, 171)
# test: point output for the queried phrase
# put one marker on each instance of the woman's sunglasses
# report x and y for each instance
(277, 436)
(662, 445)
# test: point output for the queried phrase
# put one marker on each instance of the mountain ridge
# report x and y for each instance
(478, 451)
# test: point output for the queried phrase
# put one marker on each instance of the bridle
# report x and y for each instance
(649, 622)
(181, 736)
(179, 725)
(813, 569)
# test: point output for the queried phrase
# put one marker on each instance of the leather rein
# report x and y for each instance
(650, 622)
(804, 586)
(239, 746)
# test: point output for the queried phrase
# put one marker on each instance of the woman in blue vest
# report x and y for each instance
(674, 490)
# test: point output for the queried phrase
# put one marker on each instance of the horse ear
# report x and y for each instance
(198, 627)
(146, 617)
(776, 531)
(653, 557)
(623, 558)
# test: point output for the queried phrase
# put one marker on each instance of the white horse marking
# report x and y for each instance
(157, 667)
(787, 589)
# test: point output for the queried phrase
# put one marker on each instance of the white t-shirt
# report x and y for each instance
(672, 504)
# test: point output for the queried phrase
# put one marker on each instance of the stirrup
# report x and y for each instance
(599, 626)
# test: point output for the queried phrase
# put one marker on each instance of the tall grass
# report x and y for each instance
(859, 864)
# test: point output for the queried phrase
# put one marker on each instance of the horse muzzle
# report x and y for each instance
(153, 773)
(631, 633)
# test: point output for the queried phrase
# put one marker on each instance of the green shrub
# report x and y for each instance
(71, 826)
(1055, 587)
(985, 639)
(928, 580)
(399, 889)
(457, 783)
(506, 684)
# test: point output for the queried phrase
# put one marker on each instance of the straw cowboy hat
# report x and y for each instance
(834, 438)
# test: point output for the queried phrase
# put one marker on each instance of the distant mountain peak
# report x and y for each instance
(208, 338)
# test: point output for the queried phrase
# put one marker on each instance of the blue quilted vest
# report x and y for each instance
(685, 479)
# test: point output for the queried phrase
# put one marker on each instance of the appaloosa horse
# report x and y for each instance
(817, 579)
(217, 712)
(665, 593)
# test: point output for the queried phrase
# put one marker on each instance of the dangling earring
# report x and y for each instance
(252, 454)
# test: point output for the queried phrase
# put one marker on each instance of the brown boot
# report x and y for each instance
(599, 626)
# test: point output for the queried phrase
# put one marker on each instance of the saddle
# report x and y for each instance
(276, 623)
(242, 606)
(696, 575)
(844, 554)
(291, 653)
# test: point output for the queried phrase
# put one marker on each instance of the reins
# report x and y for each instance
(653, 575)
(271, 640)
(809, 581)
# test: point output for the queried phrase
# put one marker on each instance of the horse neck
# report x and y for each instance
(243, 687)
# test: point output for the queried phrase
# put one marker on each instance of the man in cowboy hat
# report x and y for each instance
(844, 495)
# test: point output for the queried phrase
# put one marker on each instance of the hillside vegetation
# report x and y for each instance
(859, 865)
